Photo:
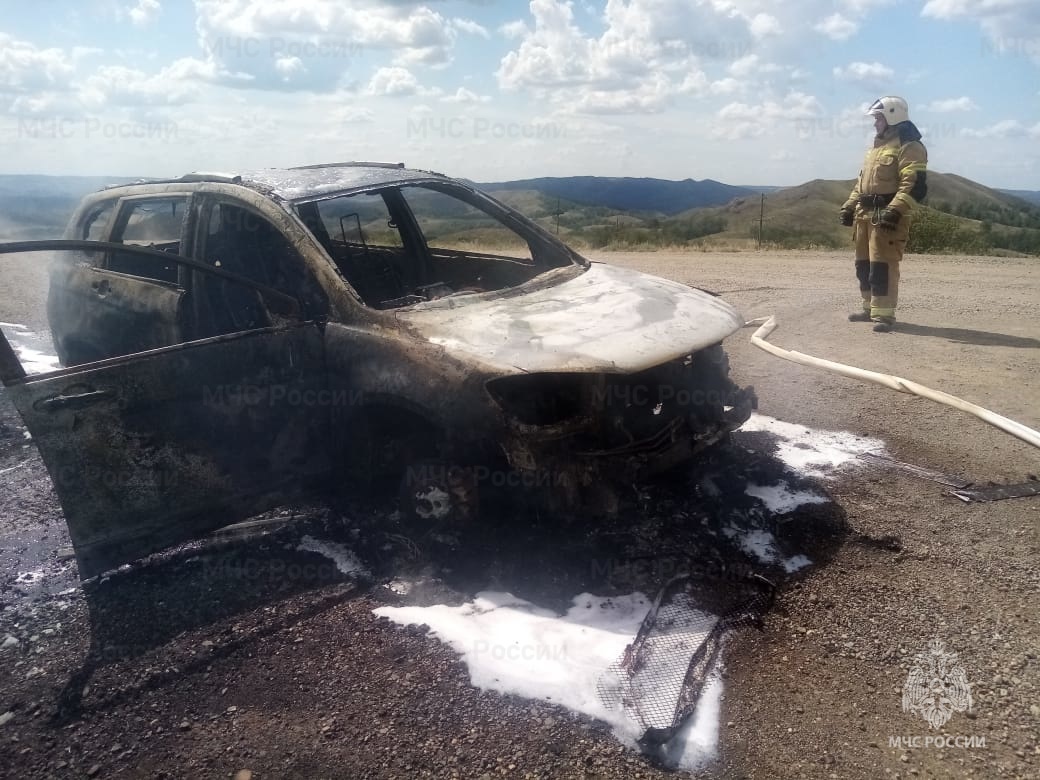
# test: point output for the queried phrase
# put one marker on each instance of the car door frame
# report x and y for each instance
(138, 445)
(101, 305)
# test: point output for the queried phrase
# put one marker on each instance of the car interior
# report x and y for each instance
(404, 245)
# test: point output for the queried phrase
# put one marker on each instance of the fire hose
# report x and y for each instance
(1016, 429)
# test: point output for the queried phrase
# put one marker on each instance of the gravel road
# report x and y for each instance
(820, 695)
(212, 663)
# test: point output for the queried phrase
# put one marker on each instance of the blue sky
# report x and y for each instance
(743, 91)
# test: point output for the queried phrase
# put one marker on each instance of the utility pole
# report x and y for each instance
(557, 215)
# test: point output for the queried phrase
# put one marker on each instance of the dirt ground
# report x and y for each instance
(820, 695)
(212, 661)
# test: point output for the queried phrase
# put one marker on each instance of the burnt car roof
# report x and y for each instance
(310, 181)
(314, 181)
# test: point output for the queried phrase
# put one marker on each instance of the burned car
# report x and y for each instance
(229, 341)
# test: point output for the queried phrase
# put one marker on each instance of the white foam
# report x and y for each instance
(762, 545)
(345, 559)
(812, 452)
(514, 647)
(759, 543)
(696, 742)
(796, 562)
(30, 577)
(33, 359)
(780, 498)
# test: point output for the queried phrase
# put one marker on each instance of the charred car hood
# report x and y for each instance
(606, 319)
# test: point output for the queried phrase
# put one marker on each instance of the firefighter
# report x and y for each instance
(879, 208)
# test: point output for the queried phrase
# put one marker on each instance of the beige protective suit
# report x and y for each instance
(892, 174)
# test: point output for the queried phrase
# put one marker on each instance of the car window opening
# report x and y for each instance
(154, 223)
(241, 242)
(406, 245)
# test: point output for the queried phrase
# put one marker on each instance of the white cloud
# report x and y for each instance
(393, 81)
(650, 52)
(50, 103)
(653, 53)
(1006, 128)
(289, 67)
(951, 104)
(331, 38)
(1012, 25)
(837, 27)
(695, 83)
(751, 65)
(145, 12)
(354, 115)
(867, 73)
(763, 25)
(396, 82)
(726, 86)
(743, 120)
(513, 30)
(745, 66)
(26, 68)
(175, 84)
(471, 27)
(356, 75)
(650, 97)
(463, 95)
(555, 53)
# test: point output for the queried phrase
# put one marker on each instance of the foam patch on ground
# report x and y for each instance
(345, 559)
(514, 647)
(33, 349)
(780, 499)
(811, 452)
(761, 545)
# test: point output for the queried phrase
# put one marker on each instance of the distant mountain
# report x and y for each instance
(662, 196)
(761, 188)
(33, 206)
(1032, 196)
(36, 185)
(808, 213)
(947, 192)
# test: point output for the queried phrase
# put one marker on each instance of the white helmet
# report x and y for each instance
(893, 109)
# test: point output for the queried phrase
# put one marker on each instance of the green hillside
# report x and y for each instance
(959, 216)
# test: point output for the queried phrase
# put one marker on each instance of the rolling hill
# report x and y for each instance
(808, 213)
(1033, 196)
(959, 215)
(628, 194)
(39, 206)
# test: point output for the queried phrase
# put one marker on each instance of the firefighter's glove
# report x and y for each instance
(847, 216)
(888, 219)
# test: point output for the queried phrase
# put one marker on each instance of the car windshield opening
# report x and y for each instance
(400, 246)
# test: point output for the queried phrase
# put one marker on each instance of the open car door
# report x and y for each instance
(154, 448)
